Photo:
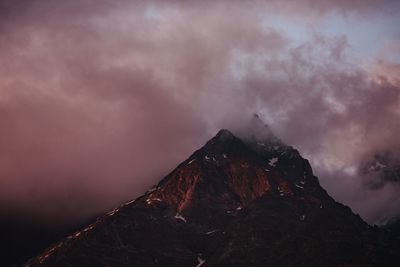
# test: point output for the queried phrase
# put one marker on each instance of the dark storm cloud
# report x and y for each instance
(99, 99)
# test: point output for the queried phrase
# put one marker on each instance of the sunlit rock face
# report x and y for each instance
(234, 202)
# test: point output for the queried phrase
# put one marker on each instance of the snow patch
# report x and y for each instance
(272, 162)
(180, 217)
(224, 156)
(201, 261)
(377, 166)
(190, 162)
(281, 192)
(212, 231)
(129, 202)
(299, 186)
(88, 228)
(75, 235)
(154, 188)
(111, 213)
(150, 200)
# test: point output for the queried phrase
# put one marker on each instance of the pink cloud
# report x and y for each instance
(99, 101)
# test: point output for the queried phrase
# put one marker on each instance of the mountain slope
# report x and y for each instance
(232, 203)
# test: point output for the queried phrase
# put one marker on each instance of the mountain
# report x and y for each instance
(393, 226)
(381, 167)
(234, 202)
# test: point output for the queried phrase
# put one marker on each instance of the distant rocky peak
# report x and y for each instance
(224, 135)
(222, 144)
(228, 173)
(381, 167)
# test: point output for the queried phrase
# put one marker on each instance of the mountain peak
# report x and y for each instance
(224, 135)
(233, 202)
(229, 173)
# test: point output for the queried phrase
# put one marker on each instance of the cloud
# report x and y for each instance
(99, 100)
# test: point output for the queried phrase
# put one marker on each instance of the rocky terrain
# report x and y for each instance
(234, 202)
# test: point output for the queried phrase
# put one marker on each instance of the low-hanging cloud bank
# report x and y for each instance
(99, 100)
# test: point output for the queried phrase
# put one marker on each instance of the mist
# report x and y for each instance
(100, 100)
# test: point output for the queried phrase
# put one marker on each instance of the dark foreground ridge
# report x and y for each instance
(233, 202)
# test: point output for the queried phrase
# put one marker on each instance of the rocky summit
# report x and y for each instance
(234, 202)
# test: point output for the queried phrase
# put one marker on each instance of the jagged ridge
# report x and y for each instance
(234, 202)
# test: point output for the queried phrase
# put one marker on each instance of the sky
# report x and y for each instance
(101, 99)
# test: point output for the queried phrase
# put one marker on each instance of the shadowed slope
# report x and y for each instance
(232, 203)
